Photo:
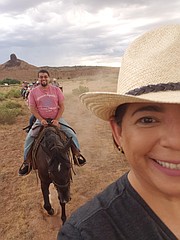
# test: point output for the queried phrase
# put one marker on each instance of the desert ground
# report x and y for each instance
(22, 215)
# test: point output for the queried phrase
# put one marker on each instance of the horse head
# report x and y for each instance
(57, 145)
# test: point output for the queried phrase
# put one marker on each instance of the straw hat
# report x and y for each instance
(150, 71)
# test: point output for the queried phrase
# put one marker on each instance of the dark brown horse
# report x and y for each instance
(53, 162)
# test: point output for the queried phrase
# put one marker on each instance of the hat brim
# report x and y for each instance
(104, 104)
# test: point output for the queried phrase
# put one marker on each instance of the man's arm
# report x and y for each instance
(59, 114)
(61, 110)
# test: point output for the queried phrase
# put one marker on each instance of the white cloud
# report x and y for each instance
(76, 32)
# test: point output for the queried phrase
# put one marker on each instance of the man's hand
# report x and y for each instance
(55, 123)
(44, 122)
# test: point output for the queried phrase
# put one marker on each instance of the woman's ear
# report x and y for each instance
(116, 132)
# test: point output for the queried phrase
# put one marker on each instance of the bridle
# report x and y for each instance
(61, 186)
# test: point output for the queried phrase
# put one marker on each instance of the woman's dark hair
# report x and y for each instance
(119, 113)
(118, 116)
(43, 71)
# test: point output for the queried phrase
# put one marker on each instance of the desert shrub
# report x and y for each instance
(7, 116)
(11, 105)
(2, 97)
(10, 81)
(80, 90)
(9, 111)
(13, 93)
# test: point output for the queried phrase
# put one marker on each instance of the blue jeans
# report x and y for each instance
(70, 133)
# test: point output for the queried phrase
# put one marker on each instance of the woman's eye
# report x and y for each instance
(146, 120)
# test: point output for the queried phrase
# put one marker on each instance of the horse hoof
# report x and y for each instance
(51, 212)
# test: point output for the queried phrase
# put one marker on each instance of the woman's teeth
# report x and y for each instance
(169, 165)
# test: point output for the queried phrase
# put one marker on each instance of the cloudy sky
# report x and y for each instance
(78, 32)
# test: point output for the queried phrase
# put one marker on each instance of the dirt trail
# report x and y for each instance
(22, 215)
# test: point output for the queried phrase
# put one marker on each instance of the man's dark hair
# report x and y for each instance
(43, 71)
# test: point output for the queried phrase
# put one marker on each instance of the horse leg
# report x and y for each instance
(45, 192)
(63, 212)
(63, 207)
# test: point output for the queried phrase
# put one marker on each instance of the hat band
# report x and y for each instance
(155, 88)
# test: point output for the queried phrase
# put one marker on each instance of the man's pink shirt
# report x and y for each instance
(46, 101)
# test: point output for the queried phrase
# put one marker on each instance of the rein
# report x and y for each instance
(71, 157)
(60, 185)
(55, 147)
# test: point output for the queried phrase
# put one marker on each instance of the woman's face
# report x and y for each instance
(150, 137)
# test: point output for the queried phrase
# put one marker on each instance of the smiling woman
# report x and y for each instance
(159, 159)
(144, 116)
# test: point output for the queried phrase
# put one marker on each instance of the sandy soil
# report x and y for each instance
(22, 215)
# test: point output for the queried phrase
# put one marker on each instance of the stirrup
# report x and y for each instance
(25, 169)
(79, 160)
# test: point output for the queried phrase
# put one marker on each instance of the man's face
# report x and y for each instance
(43, 79)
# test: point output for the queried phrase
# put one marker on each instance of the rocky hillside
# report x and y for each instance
(18, 69)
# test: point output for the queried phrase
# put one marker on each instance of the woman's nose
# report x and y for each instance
(170, 135)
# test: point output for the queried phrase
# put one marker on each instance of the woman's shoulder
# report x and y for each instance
(102, 201)
(97, 213)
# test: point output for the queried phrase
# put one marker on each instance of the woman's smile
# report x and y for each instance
(169, 165)
(167, 168)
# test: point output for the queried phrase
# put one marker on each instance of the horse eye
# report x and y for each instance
(59, 167)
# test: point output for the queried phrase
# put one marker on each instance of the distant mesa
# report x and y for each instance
(16, 68)
(13, 62)
(16, 64)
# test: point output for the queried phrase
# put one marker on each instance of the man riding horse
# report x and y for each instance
(47, 102)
